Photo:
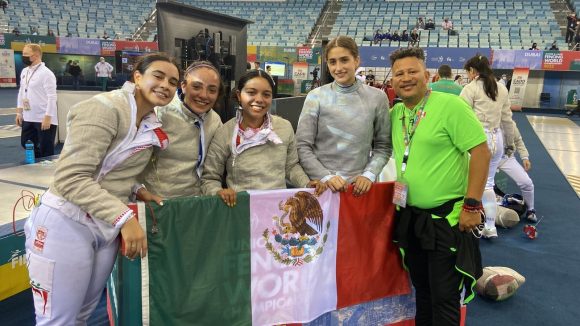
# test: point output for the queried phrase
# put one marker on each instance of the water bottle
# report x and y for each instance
(29, 152)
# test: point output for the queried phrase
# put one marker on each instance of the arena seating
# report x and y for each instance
(286, 23)
(495, 23)
(81, 18)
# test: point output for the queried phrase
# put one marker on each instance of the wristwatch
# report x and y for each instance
(471, 202)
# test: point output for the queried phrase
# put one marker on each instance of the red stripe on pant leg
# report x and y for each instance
(368, 264)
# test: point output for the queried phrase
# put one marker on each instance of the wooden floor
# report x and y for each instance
(561, 138)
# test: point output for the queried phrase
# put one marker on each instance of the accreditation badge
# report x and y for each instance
(26, 104)
(400, 194)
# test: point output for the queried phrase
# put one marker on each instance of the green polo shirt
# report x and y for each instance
(446, 86)
(438, 163)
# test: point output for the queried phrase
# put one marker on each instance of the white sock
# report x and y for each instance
(490, 208)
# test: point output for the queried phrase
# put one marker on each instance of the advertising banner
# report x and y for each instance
(252, 54)
(13, 272)
(75, 45)
(277, 53)
(509, 59)
(16, 43)
(453, 57)
(7, 68)
(561, 60)
(136, 46)
(518, 88)
(305, 53)
(374, 56)
(299, 70)
(108, 48)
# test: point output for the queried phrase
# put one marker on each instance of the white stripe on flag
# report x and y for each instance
(293, 274)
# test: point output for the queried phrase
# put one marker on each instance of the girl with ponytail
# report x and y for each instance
(490, 102)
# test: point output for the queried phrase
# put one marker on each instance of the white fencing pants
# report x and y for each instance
(495, 144)
(516, 171)
(68, 263)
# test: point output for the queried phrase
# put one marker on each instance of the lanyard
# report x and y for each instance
(27, 79)
(199, 124)
(408, 135)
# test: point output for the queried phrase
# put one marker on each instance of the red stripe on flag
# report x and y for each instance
(368, 264)
(408, 322)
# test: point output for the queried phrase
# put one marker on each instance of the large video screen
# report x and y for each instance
(276, 68)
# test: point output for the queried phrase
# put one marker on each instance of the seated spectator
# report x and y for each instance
(430, 24)
(459, 80)
(3, 5)
(378, 36)
(534, 46)
(105, 36)
(388, 36)
(50, 33)
(554, 46)
(405, 36)
(16, 31)
(414, 38)
(447, 24)
(396, 37)
(420, 23)
(33, 30)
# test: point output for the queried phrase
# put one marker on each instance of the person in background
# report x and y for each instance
(571, 24)
(360, 75)
(103, 70)
(445, 84)
(255, 150)
(72, 235)
(503, 80)
(343, 133)
(370, 78)
(420, 23)
(446, 25)
(490, 102)
(510, 166)
(76, 72)
(36, 110)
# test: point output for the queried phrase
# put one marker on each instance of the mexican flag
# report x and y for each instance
(277, 257)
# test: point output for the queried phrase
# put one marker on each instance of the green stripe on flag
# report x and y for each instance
(211, 282)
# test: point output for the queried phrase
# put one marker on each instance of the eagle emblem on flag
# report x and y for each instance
(296, 236)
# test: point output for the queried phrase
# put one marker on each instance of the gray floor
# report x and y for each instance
(561, 138)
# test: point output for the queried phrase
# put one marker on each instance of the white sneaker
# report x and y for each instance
(531, 216)
(489, 233)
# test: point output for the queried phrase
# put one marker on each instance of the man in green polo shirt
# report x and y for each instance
(446, 84)
(442, 159)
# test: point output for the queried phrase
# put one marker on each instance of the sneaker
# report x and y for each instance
(531, 216)
(489, 233)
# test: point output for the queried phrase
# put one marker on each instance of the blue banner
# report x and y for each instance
(509, 59)
(374, 56)
(453, 57)
(73, 45)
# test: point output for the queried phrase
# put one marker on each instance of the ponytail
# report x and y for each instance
(481, 64)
